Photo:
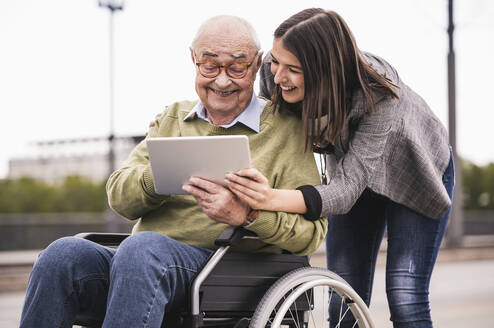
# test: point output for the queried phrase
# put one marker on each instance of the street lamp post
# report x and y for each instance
(112, 6)
(454, 237)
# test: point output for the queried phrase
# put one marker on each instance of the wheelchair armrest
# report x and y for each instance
(103, 238)
(232, 235)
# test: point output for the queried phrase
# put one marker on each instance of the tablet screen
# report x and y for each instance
(175, 159)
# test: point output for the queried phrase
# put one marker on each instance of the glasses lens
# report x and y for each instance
(237, 70)
(209, 69)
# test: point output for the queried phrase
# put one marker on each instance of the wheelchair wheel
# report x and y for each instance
(301, 299)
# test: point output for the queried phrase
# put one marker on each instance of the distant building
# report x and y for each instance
(52, 161)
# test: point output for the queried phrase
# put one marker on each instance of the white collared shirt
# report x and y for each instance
(250, 117)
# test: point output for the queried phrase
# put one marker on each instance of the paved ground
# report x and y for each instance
(462, 291)
(462, 295)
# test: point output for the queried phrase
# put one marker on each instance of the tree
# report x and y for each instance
(478, 186)
(74, 194)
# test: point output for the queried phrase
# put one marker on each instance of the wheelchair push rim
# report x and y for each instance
(320, 287)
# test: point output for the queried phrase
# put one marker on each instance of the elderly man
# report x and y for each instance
(149, 273)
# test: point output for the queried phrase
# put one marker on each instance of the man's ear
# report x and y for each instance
(259, 60)
(192, 55)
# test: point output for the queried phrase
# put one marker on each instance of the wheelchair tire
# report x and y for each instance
(277, 308)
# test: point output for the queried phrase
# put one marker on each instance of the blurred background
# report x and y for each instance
(80, 80)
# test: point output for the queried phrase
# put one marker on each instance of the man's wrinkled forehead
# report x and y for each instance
(216, 54)
(232, 44)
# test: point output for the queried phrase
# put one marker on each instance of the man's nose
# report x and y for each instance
(223, 80)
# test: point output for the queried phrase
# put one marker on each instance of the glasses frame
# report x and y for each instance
(225, 67)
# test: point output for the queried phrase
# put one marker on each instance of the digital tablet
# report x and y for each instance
(175, 160)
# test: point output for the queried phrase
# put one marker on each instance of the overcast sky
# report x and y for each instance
(54, 78)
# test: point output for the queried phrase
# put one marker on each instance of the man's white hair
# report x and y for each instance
(232, 20)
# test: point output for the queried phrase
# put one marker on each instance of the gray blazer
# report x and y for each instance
(400, 151)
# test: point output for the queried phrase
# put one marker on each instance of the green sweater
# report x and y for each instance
(276, 151)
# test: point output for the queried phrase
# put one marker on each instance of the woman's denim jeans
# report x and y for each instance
(129, 287)
(353, 242)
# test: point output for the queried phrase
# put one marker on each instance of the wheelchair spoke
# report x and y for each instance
(296, 313)
(291, 314)
(294, 318)
(341, 317)
(341, 310)
(329, 302)
(312, 307)
(323, 312)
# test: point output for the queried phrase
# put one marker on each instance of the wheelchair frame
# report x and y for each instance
(269, 298)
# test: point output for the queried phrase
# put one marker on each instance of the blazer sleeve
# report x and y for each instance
(356, 167)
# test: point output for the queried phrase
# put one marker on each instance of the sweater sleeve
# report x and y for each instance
(289, 231)
(130, 189)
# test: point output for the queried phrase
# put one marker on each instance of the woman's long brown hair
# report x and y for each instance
(333, 69)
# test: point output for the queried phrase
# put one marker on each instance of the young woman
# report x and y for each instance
(392, 167)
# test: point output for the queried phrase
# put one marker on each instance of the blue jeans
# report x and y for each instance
(132, 286)
(353, 242)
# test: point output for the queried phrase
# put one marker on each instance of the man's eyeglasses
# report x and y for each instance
(234, 70)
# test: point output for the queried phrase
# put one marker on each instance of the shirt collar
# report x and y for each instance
(250, 117)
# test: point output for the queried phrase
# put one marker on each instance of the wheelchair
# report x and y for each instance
(240, 290)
